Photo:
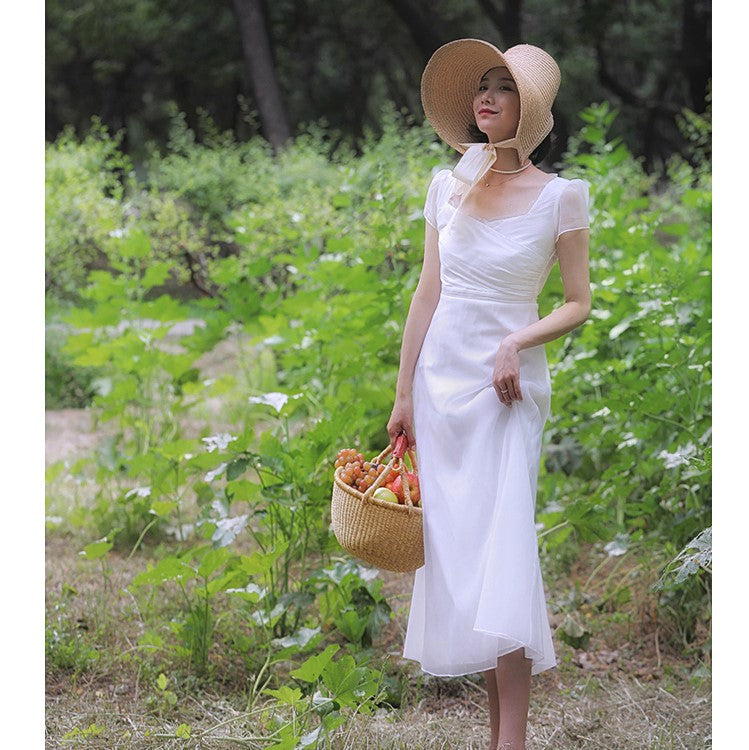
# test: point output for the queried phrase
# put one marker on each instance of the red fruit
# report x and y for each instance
(397, 487)
(413, 487)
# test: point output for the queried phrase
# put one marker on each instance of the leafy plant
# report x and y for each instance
(66, 644)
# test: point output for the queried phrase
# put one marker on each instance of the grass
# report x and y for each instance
(626, 689)
(594, 699)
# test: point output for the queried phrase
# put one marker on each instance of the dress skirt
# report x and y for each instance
(480, 593)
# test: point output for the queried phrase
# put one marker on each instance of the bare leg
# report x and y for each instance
(490, 676)
(514, 688)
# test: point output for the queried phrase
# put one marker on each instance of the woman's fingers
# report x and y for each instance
(503, 394)
(513, 387)
(508, 391)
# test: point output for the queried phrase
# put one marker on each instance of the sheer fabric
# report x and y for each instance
(480, 592)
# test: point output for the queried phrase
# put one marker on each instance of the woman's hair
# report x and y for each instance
(536, 156)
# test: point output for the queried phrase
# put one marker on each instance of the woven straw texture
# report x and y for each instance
(451, 78)
(382, 534)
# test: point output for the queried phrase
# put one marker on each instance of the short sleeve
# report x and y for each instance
(434, 194)
(573, 207)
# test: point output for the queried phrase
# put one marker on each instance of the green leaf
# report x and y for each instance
(135, 245)
(183, 731)
(311, 669)
(243, 490)
(573, 633)
(300, 639)
(163, 508)
(236, 468)
(162, 681)
(155, 275)
(351, 624)
(97, 549)
(167, 569)
(212, 561)
(679, 230)
(285, 694)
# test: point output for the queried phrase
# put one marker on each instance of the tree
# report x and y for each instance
(258, 55)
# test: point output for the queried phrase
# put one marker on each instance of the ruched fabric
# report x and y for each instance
(480, 592)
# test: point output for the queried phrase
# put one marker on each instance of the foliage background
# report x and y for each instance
(186, 233)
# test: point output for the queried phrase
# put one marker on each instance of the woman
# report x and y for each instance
(473, 388)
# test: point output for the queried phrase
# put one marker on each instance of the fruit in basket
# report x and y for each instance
(348, 455)
(413, 487)
(355, 471)
(383, 493)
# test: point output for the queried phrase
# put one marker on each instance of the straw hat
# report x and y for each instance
(450, 82)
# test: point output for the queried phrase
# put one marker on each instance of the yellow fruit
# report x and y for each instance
(383, 493)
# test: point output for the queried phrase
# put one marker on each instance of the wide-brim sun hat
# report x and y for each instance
(451, 79)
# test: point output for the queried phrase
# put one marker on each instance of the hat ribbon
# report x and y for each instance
(473, 165)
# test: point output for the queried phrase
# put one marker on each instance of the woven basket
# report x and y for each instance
(385, 535)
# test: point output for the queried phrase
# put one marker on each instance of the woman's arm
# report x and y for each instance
(423, 304)
(572, 252)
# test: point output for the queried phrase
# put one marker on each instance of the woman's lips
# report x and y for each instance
(486, 112)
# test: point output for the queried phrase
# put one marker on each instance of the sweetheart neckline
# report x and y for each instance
(484, 220)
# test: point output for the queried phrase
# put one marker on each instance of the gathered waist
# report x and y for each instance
(482, 294)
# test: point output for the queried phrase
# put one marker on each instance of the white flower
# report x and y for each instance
(211, 475)
(296, 217)
(628, 442)
(219, 441)
(651, 305)
(139, 491)
(273, 340)
(618, 546)
(274, 399)
(680, 458)
(119, 232)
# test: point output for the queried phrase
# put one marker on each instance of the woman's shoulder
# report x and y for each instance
(440, 185)
(441, 176)
(572, 183)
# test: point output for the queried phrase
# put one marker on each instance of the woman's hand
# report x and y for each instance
(506, 375)
(401, 420)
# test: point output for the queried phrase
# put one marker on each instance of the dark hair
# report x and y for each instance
(536, 156)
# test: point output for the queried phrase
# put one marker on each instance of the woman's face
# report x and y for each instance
(496, 105)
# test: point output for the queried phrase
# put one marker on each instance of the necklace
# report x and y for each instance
(503, 171)
(511, 171)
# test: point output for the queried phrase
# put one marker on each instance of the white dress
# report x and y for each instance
(480, 593)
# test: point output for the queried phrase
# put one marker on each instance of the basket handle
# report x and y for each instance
(395, 462)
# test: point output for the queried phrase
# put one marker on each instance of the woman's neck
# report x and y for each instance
(507, 159)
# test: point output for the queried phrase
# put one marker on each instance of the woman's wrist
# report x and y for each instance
(403, 393)
(510, 344)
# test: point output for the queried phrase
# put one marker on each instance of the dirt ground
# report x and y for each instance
(614, 694)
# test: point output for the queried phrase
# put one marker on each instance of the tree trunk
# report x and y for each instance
(506, 19)
(425, 27)
(258, 56)
(696, 51)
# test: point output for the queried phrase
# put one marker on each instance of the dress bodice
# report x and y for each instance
(508, 259)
